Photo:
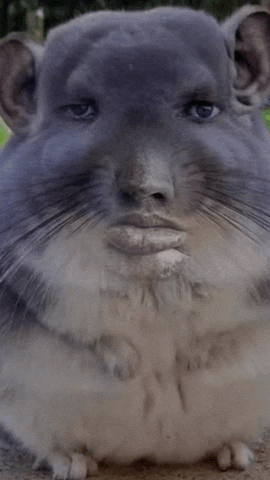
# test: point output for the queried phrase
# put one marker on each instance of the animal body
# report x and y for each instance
(135, 248)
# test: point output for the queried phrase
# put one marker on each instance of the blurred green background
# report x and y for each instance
(266, 118)
(4, 133)
(36, 17)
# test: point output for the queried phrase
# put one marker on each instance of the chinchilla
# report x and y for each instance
(134, 239)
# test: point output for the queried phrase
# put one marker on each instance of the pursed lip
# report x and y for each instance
(147, 221)
(137, 234)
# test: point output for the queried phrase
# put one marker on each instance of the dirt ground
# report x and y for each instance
(16, 465)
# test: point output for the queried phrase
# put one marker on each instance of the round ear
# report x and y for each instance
(19, 59)
(247, 35)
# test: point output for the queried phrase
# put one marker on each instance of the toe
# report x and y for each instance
(224, 458)
(242, 455)
(60, 465)
(39, 463)
(92, 466)
(78, 470)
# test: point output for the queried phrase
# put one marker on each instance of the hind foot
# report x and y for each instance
(74, 467)
(236, 455)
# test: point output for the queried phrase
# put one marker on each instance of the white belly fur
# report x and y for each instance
(149, 416)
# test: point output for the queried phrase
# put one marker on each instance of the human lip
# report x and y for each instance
(147, 221)
(138, 234)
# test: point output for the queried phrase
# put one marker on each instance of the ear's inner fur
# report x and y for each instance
(251, 57)
(17, 82)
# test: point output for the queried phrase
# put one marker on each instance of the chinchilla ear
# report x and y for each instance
(247, 36)
(19, 60)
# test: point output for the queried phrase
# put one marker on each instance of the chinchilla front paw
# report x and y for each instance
(118, 355)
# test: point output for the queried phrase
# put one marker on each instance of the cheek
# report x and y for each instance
(72, 258)
(227, 145)
(66, 151)
(189, 185)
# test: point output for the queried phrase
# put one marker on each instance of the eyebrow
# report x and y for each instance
(77, 88)
(200, 92)
(201, 84)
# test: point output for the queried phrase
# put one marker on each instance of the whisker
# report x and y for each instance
(263, 219)
(35, 241)
(214, 216)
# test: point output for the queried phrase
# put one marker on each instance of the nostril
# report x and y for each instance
(159, 191)
(159, 196)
